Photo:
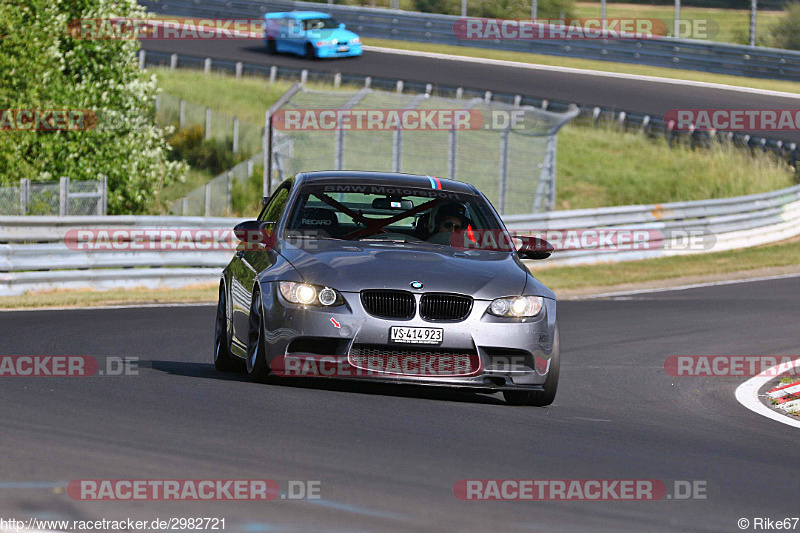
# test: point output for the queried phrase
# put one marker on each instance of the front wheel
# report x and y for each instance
(546, 396)
(311, 52)
(257, 367)
(223, 359)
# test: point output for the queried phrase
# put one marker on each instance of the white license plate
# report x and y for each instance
(342, 49)
(411, 335)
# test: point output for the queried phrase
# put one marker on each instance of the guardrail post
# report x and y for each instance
(397, 147)
(428, 88)
(367, 82)
(142, 57)
(646, 123)
(207, 65)
(182, 113)
(518, 98)
(337, 80)
(459, 93)
(238, 70)
(595, 114)
(487, 97)
(24, 195)
(503, 181)
(621, 119)
(399, 86)
(273, 73)
(235, 135)
(63, 197)
(173, 61)
(208, 123)
(303, 76)
(545, 104)
(207, 199)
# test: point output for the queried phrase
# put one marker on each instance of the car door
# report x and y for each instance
(256, 259)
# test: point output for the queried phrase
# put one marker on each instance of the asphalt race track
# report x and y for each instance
(649, 97)
(388, 457)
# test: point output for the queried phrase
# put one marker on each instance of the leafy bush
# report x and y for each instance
(47, 68)
(786, 32)
(521, 9)
(214, 155)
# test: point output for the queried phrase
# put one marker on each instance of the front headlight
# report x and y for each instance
(517, 307)
(308, 294)
(355, 40)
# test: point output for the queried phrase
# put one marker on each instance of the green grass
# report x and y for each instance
(597, 165)
(603, 166)
(725, 25)
(75, 298)
(604, 275)
(590, 64)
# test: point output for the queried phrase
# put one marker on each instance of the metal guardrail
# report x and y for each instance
(721, 58)
(34, 254)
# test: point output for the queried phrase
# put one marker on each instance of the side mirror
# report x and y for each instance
(341, 25)
(534, 248)
(244, 231)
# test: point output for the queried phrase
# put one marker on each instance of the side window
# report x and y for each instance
(276, 206)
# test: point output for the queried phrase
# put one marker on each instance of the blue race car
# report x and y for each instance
(309, 34)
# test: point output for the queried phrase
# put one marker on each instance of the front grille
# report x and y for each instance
(416, 360)
(443, 306)
(388, 304)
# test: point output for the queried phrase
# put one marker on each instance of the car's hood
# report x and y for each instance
(353, 266)
(333, 33)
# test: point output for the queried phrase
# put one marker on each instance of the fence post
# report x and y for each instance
(63, 197)
(235, 135)
(102, 187)
(503, 177)
(182, 114)
(303, 76)
(487, 97)
(367, 82)
(517, 100)
(142, 57)
(238, 70)
(207, 65)
(208, 199)
(266, 143)
(397, 147)
(173, 61)
(460, 93)
(337, 80)
(399, 86)
(208, 123)
(273, 73)
(452, 154)
(24, 195)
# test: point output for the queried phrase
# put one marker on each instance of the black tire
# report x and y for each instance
(257, 367)
(223, 359)
(311, 52)
(546, 396)
(271, 48)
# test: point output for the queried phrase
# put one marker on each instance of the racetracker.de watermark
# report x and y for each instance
(192, 489)
(481, 29)
(47, 120)
(731, 365)
(70, 366)
(123, 28)
(343, 366)
(578, 490)
(733, 119)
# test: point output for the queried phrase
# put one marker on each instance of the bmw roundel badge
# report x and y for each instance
(416, 284)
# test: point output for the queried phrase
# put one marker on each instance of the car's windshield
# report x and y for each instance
(371, 212)
(320, 24)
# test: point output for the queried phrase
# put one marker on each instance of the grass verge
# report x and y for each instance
(80, 298)
(711, 265)
(588, 64)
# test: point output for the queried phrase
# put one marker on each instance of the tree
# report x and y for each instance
(786, 32)
(45, 67)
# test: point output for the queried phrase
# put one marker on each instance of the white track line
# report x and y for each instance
(107, 307)
(683, 287)
(747, 395)
(586, 72)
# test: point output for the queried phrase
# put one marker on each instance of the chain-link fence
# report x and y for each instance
(242, 136)
(507, 151)
(64, 197)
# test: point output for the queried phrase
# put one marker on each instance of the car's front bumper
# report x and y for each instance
(333, 51)
(513, 353)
